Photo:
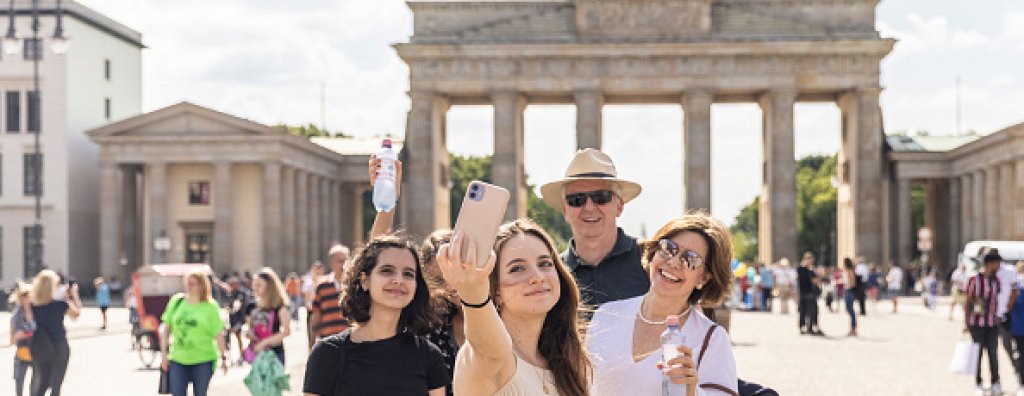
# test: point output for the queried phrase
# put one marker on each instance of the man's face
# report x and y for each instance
(338, 262)
(591, 220)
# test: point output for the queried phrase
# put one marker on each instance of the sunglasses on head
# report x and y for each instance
(600, 197)
(668, 249)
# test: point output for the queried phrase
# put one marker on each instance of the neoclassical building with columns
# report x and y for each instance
(224, 190)
(692, 53)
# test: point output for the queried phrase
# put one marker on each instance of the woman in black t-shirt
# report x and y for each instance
(387, 296)
(48, 369)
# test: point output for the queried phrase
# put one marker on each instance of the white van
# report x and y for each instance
(1012, 251)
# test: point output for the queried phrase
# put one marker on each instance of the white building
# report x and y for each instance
(97, 80)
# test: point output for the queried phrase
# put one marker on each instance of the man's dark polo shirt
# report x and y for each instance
(617, 277)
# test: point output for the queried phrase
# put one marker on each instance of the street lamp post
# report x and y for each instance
(59, 45)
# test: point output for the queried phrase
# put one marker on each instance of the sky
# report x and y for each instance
(266, 60)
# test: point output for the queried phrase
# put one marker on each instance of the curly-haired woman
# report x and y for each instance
(387, 297)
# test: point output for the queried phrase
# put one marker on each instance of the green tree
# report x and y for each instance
(745, 231)
(309, 130)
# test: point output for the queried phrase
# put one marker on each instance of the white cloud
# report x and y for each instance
(1013, 29)
(969, 39)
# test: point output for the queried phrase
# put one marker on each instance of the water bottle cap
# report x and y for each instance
(386, 143)
(672, 321)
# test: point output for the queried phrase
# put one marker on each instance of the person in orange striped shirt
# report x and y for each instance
(327, 316)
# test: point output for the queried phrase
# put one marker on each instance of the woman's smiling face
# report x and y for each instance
(670, 276)
(527, 278)
(392, 282)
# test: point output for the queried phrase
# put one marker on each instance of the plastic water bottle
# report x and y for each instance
(670, 340)
(384, 187)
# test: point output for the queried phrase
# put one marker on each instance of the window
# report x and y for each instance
(13, 111)
(30, 247)
(106, 69)
(33, 174)
(199, 193)
(106, 108)
(33, 111)
(33, 48)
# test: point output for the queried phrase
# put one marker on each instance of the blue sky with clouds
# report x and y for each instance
(266, 60)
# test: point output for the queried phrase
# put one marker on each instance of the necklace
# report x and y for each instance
(640, 314)
(543, 378)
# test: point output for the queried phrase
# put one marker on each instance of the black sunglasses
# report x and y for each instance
(600, 197)
(668, 249)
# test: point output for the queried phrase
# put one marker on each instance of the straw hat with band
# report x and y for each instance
(588, 164)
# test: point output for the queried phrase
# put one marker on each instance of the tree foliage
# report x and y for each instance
(309, 130)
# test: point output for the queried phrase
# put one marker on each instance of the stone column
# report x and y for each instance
(589, 106)
(697, 150)
(223, 227)
(979, 205)
(937, 218)
(966, 208)
(860, 169)
(904, 222)
(302, 219)
(272, 227)
(1018, 192)
(131, 226)
(1006, 200)
(289, 257)
(335, 211)
(778, 192)
(954, 240)
(325, 218)
(315, 202)
(425, 179)
(111, 208)
(507, 168)
(992, 226)
(156, 185)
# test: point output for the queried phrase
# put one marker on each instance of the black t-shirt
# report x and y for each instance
(618, 276)
(805, 281)
(403, 365)
(50, 318)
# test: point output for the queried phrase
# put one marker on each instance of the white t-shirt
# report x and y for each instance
(609, 341)
(1007, 276)
(895, 278)
(863, 271)
(784, 276)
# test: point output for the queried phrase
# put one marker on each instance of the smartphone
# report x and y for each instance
(483, 208)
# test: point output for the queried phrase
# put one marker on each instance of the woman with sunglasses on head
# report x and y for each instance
(521, 312)
(387, 297)
(688, 265)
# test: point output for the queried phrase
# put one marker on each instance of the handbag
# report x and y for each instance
(965, 358)
(165, 383)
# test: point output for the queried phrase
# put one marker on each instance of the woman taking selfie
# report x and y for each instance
(521, 317)
(688, 264)
(191, 336)
(387, 296)
(51, 301)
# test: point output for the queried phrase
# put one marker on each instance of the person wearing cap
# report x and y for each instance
(981, 317)
(603, 259)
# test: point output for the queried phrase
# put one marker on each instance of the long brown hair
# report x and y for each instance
(273, 296)
(561, 337)
(717, 264)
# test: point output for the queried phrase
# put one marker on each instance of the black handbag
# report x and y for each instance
(165, 383)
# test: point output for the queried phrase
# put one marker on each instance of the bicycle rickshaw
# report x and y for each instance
(154, 285)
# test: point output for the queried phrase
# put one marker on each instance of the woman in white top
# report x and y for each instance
(528, 341)
(688, 263)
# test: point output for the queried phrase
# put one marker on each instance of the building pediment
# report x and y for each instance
(182, 120)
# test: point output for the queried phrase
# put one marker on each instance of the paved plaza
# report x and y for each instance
(903, 354)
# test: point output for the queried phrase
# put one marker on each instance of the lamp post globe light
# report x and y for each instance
(33, 46)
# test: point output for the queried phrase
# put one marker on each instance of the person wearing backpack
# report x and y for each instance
(191, 335)
(49, 346)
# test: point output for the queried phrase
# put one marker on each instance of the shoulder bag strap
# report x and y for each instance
(719, 388)
(707, 340)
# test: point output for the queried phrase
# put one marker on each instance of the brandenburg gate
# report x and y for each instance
(688, 52)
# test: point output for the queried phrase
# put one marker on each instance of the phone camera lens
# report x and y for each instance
(474, 187)
(472, 195)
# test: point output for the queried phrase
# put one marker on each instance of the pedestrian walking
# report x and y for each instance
(327, 313)
(1016, 314)
(387, 295)
(808, 289)
(894, 280)
(192, 333)
(849, 277)
(785, 281)
(241, 299)
(931, 289)
(874, 284)
(102, 298)
(51, 302)
(863, 271)
(22, 327)
(523, 334)
(309, 282)
(767, 286)
(268, 316)
(688, 265)
(293, 287)
(604, 261)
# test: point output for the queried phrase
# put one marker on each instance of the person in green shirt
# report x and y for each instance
(191, 336)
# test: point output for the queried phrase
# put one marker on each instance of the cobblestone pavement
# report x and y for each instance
(902, 354)
(895, 354)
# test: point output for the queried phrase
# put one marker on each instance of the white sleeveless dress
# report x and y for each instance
(529, 380)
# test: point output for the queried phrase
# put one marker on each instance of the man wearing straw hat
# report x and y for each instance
(603, 259)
